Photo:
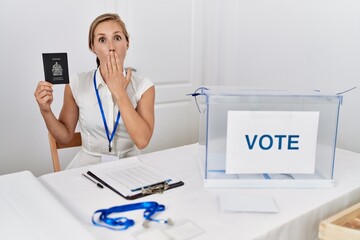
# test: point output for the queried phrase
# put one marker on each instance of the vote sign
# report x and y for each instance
(271, 142)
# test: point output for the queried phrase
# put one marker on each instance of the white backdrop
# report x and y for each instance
(280, 44)
(312, 44)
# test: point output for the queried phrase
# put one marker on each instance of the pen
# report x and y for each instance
(97, 184)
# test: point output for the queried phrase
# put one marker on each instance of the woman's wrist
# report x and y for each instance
(46, 113)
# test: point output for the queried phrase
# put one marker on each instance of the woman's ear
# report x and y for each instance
(92, 48)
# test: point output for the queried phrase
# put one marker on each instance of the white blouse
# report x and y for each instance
(93, 134)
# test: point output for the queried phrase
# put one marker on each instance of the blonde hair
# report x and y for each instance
(103, 18)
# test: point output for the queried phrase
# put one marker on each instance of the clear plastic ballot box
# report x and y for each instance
(265, 139)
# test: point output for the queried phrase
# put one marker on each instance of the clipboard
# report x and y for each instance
(127, 165)
(148, 190)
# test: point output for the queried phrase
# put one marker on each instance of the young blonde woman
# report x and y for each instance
(114, 107)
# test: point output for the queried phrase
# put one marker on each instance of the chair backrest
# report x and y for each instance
(54, 146)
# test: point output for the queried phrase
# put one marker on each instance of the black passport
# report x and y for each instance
(56, 68)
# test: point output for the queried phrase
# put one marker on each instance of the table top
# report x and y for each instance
(29, 211)
(300, 210)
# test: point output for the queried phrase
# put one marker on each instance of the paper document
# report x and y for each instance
(137, 175)
(130, 176)
(239, 203)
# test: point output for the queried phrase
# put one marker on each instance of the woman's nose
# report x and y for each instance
(111, 46)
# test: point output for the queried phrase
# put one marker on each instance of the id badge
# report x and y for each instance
(106, 157)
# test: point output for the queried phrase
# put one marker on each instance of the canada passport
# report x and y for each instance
(56, 68)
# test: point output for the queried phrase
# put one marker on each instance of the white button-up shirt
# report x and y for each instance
(93, 134)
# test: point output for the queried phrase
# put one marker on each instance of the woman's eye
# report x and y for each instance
(102, 40)
(117, 38)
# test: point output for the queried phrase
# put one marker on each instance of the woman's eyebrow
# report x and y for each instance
(100, 34)
(103, 34)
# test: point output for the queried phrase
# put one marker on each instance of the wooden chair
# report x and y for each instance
(54, 146)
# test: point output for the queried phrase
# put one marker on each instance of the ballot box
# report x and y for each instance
(267, 138)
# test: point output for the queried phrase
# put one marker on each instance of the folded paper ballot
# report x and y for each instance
(29, 211)
(131, 178)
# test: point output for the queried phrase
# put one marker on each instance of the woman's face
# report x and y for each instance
(109, 36)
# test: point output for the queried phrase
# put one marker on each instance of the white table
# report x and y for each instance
(29, 212)
(301, 210)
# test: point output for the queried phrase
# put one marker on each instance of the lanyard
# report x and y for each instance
(123, 223)
(110, 138)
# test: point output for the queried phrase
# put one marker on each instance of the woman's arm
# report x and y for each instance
(139, 122)
(63, 128)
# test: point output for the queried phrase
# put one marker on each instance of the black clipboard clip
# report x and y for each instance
(158, 188)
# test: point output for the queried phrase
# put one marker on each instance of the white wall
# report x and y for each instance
(310, 44)
(163, 47)
(301, 44)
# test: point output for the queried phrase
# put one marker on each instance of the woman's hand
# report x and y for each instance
(113, 75)
(44, 96)
(139, 122)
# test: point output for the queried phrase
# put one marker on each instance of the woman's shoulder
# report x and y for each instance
(84, 75)
(140, 83)
(80, 81)
(139, 86)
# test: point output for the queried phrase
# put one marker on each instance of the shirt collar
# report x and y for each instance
(99, 80)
